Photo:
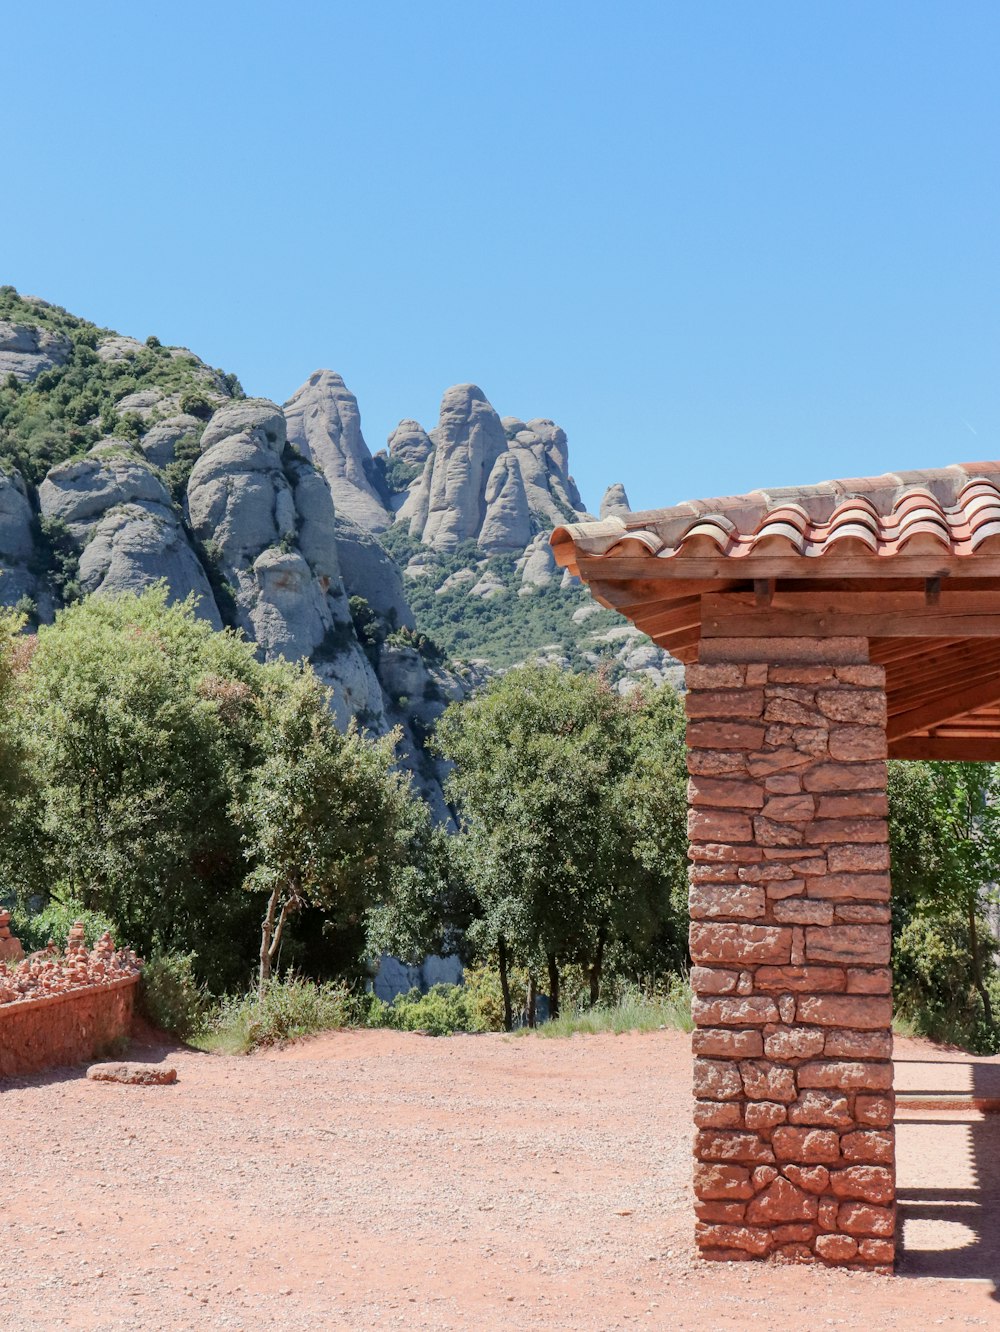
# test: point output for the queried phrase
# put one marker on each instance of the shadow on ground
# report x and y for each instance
(948, 1160)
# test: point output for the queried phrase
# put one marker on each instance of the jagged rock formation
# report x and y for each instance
(17, 542)
(324, 424)
(615, 502)
(273, 519)
(126, 526)
(25, 351)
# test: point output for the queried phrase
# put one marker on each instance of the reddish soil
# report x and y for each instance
(378, 1180)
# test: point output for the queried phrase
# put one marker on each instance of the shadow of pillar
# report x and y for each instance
(948, 1163)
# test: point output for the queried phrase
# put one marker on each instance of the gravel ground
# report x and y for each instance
(382, 1180)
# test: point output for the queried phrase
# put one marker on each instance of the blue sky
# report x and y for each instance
(723, 244)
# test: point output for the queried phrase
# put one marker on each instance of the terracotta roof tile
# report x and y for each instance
(951, 509)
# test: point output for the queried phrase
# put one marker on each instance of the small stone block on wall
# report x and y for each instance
(790, 940)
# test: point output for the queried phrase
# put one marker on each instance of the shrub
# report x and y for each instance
(54, 921)
(442, 1011)
(933, 991)
(290, 1007)
(634, 1010)
(170, 994)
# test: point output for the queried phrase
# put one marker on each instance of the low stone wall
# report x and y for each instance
(68, 1028)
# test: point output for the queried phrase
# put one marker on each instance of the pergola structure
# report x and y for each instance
(823, 629)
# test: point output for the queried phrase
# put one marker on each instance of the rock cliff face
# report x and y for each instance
(324, 424)
(279, 522)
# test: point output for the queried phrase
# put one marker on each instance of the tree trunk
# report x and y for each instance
(532, 997)
(977, 970)
(553, 966)
(508, 1015)
(597, 967)
(266, 935)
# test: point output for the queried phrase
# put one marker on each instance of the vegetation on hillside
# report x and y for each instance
(503, 627)
(68, 408)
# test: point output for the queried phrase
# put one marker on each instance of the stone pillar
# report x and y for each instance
(790, 942)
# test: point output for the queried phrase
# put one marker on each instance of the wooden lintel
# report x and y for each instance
(983, 602)
(947, 749)
(793, 624)
(932, 591)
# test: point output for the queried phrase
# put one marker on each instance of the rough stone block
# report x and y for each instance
(804, 912)
(725, 675)
(741, 1011)
(801, 675)
(725, 792)
(726, 1043)
(765, 1081)
(754, 1242)
(785, 759)
(761, 1116)
(713, 980)
(806, 1146)
(790, 808)
(717, 1080)
(854, 859)
(845, 1074)
(869, 980)
(718, 1114)
(850, 888)
(762, 1176)
(724, 853)
(821, 1109)
(874, 1110)
(879, 1251)
(726, 1212)
(791, 712)
(722, 901)
(822, 831)
(725, 735)
(723, 1145)
(812, 980)
(140, 1075)
(811, 740)
(862, 913)
(842, 777)
(781, 1201)
(868, 1146)
(836, 1248)
(857, 742)
(724, 704)
(866, 1012)
(871, 677)
(723, 1182)
(712, 762)
(783, 783)
(865, 707)
(768, 832)
(868, 944)
(793, 1043)
(745, 943)
(861, 1219)
(859, 1044)
(814, 1179)
(869, 1183)
(854, 805)
(718, 825)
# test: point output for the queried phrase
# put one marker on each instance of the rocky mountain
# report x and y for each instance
(405, 577)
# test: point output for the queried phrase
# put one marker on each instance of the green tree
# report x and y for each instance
(138, 722)
(944, 828)
(548, 773)
(322, 815)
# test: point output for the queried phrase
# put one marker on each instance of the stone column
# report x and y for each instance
(790, 940)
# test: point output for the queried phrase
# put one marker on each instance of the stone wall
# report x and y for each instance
(68, 1028)
(790, 938)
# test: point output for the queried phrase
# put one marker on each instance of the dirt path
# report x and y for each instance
(378, 1180)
